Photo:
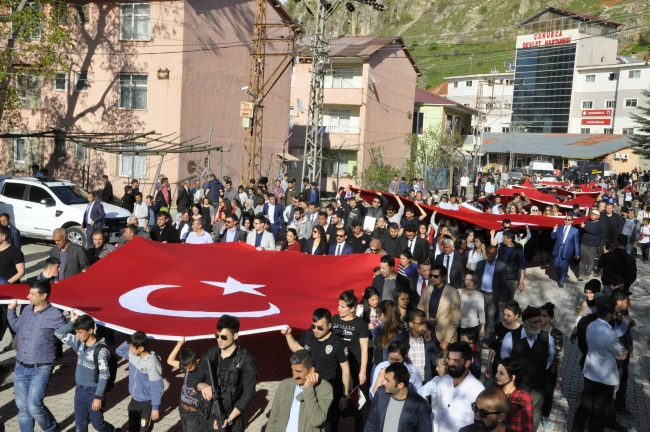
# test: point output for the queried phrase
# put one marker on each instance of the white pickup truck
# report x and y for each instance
(38, 206)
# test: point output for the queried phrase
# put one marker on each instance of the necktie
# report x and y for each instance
(338, 250)
(424, 286)
(448, 270)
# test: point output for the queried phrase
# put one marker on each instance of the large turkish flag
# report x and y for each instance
(171, 291)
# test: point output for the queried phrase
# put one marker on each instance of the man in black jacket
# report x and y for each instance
(492, 277)
(453, 262)
(73, 257)
(164, 232)
(234, 375)
(413, 415)
(107, 193)
(618, 261)
(612, 225)
(183, 198)
(418, 246)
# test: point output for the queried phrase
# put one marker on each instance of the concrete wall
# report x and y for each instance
(620, 165)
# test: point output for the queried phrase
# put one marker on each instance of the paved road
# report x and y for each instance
(272, 354)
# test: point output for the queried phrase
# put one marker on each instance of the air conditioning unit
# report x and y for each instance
(617, 155)
(625, 156)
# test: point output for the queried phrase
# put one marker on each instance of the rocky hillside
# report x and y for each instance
(454, 37)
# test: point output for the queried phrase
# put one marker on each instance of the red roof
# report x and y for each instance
(425, 97)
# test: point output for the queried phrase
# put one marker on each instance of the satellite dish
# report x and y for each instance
(301, 106)
(374, 81)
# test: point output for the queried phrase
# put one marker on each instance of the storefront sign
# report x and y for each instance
(597, 113)
(597, 122)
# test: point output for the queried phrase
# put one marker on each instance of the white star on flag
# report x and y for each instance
(232, 286)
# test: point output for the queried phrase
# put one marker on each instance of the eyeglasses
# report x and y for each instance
(568, 220)
(340, 236)
(222, 337)
(436, 276)
(320, 328)
(482, 412)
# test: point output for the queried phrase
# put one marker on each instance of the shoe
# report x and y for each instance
(560, 285)
(546, 423)
(581, 278)
(625, 413)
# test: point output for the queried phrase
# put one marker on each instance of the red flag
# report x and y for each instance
(171, 291)
(538, 197)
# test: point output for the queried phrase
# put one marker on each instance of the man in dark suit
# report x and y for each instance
(492, 277)
(93, 217)
(230, 232)
(340, 246)
(567, 247)
(414, 414)
(73, 257)
(107, 193)
(418, 246)
(618, 261)
(14, 240)
(272, 210)
(453, 262)
(183, 198)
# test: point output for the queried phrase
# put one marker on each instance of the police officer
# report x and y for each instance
(234, 372)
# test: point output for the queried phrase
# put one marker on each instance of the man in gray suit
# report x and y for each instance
(73, 257)
(600, 373)
(493, 283)
(260, 238)
(230, 231)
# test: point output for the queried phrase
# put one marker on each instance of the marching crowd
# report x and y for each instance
(412, 342)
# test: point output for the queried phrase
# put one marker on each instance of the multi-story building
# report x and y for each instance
(368, 101)
(173, 67)
(567, 78)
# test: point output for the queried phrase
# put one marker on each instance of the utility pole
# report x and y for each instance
(319, 48)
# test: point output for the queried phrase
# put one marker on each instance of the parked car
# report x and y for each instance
(38, 206)
(515, 175)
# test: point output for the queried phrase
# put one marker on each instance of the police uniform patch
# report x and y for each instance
(328, 349)
(143, 422)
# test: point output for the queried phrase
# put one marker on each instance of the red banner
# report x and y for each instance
(171, 291)
(596, 113)
(597, 122)
(538, 197)
(476, 217)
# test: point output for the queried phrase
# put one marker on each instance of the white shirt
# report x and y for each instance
(90, 208)
(204, 238)
(490, 188)
(449, 206)
(453, 405)
(506, 346)
(294, 413)
(271, 213)
(464, 181)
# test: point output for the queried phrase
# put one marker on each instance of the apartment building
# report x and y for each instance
(173, 67)
(368, 101)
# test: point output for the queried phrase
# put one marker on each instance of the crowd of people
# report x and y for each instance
(443, 295)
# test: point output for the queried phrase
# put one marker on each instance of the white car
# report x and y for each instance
(38, 206)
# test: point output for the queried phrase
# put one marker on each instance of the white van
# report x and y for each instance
(38, 206)
(542, 169)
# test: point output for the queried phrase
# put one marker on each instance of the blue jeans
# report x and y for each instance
(83, 400)
(29, 391)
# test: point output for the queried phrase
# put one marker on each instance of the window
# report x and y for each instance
(631, 103)
(36, 32)
(507, 105)
(585, 130)
(36, 194)
(505, 129)
(83, 13)
(487, 129)
(339, 121)
(21, 86)
(455, 84)
(610, 104)
(60, 81)
(469, 105)
(139, 164)
(132, 92)
(81, 82)
(342, 78)
(633, 74)
(61, 11)
(468, 83)
(418, 123)
(608, 131)
(613, 76)
(587, 104)
(14, 190)
(79, 151)
(291, 118)
(19, 150)
(134, 21)
(628, 131)
(590, 78)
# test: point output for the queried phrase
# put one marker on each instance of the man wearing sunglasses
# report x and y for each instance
(235, 373)
(231, 232)
(441, 303)
(567, 247)
(330, 359)
(490, 412)
(453, 408)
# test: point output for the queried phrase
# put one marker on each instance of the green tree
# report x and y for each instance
(378, 174)
(37, 44)
(641, 142)
(434, 150)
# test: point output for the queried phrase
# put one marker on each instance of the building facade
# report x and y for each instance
(368, 101)
(173, 67)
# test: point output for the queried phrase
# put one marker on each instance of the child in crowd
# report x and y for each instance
(145, 382)
(89, 394)
(475, 368)
(191, 418)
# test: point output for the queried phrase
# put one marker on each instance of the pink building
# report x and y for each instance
(368, 100)
(170, 66)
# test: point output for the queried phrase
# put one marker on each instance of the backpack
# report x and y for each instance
(112, 366)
